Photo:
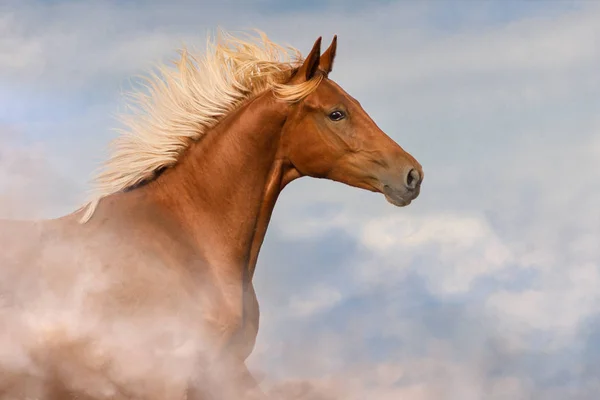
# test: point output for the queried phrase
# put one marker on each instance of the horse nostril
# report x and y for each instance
(413, 179)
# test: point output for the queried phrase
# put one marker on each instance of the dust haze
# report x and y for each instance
(57, 338)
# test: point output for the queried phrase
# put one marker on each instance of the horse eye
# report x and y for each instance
(336, 115)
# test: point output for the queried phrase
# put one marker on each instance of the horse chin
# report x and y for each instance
(397, 201)
(394, 198)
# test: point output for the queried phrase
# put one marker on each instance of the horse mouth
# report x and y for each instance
(393, 197)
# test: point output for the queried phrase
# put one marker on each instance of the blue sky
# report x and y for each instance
(486, 287)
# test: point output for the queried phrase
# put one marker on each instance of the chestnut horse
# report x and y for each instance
(146, 292)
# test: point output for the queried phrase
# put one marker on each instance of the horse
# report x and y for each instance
(145, 291)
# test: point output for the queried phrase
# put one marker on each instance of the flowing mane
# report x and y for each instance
(183, 103)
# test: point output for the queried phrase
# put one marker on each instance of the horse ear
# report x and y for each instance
(326, 61)
(311, 63)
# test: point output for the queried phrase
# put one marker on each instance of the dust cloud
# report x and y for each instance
(55, 348)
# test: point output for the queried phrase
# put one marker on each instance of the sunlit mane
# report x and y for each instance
(184, 101)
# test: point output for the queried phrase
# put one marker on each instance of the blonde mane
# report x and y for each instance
(184, 102)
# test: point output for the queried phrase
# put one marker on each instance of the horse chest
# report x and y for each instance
(251, 316)
(244, 326)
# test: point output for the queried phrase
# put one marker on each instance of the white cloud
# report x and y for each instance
(537, 45)
(17, 52)
(320, 298)
(457, 249)
(559, 302)
(30, 186)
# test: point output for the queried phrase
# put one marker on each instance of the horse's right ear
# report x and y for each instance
(310, 65)
(326, 62)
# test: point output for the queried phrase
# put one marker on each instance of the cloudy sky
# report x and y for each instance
(486, 287)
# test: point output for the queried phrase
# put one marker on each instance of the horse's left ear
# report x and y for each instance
(311, 64)
(326, 61)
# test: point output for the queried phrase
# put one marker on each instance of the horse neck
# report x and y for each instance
(223, 191)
